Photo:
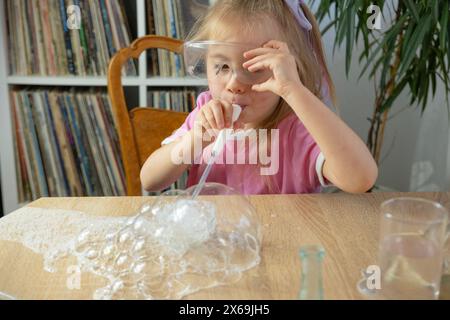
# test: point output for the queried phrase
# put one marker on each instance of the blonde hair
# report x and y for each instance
(254, 14)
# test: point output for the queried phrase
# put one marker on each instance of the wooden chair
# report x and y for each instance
(140, 130)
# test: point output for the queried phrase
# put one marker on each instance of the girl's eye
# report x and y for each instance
(221, 68)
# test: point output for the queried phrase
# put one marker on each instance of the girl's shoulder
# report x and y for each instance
(203, 98)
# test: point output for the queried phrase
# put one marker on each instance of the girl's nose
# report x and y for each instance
(235, 86)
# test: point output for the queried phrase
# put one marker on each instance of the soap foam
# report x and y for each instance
(169, 249)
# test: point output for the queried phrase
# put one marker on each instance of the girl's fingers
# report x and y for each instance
(238, 125)
(202, 122)
(271, 46)
(209, 117)
(257, 52)
(257, 59)
(264, 64)
(208, 133)
(218, 115)
(261, 87)
(278, 45)
(227, 113)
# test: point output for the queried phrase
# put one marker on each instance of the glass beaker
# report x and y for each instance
(411, 248)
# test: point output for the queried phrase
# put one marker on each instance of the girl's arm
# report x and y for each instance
(160, 170)
(165, 165)
(349, 165)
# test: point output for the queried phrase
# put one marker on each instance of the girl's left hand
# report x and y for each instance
(274, 55)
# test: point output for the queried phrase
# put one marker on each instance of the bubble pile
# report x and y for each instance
(172, 247)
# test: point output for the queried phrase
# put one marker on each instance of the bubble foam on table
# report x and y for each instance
(172, 247)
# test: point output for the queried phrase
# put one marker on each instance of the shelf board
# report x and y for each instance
(101, 81)
(169, 82)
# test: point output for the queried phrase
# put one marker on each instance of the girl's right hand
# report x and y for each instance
(213, 117)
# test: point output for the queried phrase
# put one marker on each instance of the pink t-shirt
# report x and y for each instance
(298, 167)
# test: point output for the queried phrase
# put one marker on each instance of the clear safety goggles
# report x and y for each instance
(220, 61)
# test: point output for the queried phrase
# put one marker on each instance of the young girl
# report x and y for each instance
(282, 82)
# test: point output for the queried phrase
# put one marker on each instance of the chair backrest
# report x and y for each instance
(140, 130)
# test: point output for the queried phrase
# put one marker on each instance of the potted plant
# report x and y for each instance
(411, 52)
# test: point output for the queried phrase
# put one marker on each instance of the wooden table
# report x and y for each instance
(345, 225)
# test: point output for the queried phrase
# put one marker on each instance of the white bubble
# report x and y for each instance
(139, 245)
(91, 254)
(116, 286)
(146, 208)
(125, 236)
(130, 221)
(138, 267)
(108, 249)
(185, 223)
(83, 236)
(110, 235)
(139, 223)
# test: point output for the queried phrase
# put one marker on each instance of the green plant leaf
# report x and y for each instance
(407, 36)
(388, 57)
(350, 38)
(422, 29)
(444, 67)
(328, 27)
(392, 33)
(416, 40)
(412, 7)
(394, 95)
(448, 45)
(444, 24)
(436, 10)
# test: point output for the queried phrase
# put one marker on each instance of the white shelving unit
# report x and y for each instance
(7, 159)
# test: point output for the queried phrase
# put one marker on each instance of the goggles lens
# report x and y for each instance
(220, 61)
